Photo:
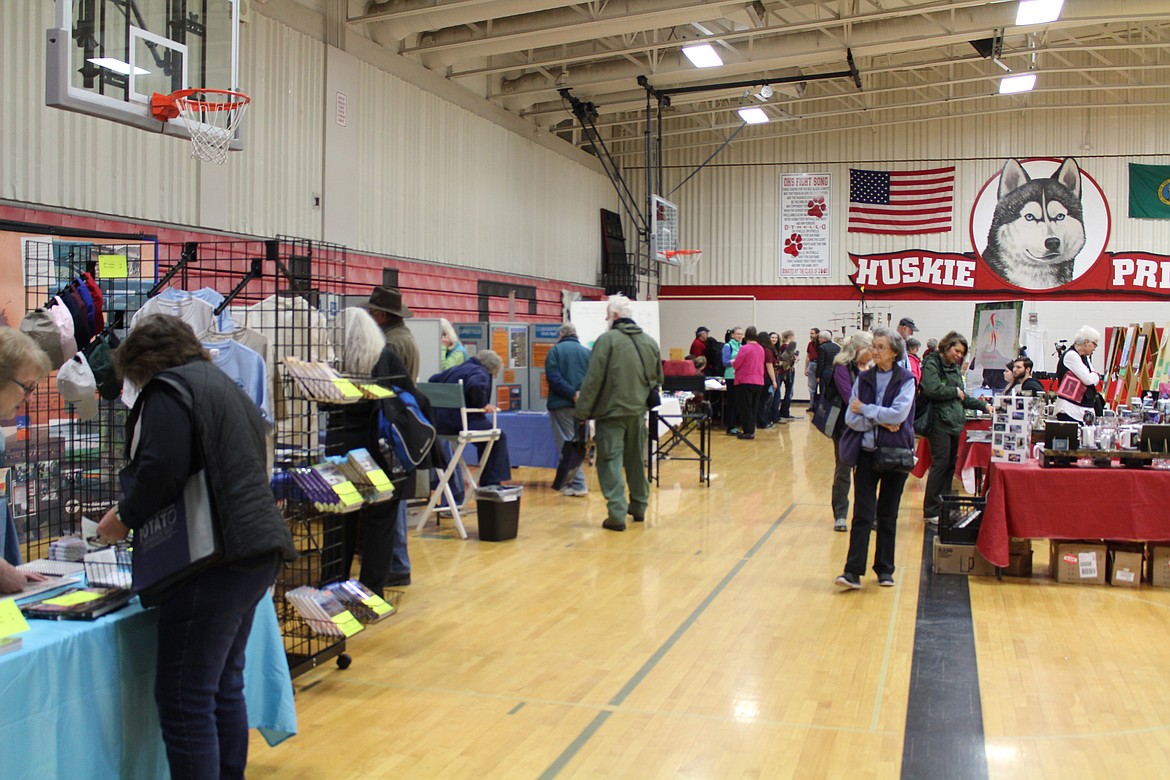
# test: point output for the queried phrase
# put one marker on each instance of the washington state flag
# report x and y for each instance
(1149, 191)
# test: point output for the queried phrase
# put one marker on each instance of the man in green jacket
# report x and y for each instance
(624, 367)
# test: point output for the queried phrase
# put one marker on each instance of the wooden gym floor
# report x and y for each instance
(710, 642)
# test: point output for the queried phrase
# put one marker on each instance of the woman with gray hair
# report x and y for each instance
(1075, 360)
(452, 351)
(23, 365)
(880, 416)
(853, 358)
(477, 376)
(382, 531)
(942, 386)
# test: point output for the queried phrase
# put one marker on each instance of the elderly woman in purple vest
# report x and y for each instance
(879, 415)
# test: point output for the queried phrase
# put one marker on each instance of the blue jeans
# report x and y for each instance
(564, 428)
(787, 382)
(199, 687)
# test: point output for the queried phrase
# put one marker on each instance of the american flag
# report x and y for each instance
(901, 202)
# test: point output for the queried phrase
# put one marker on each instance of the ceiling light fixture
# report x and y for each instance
(702, 56)
(753, 116)
(1024, 82)
(1038, 12)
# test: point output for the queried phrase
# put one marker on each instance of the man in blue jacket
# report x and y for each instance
(477, 375)
(565, 367)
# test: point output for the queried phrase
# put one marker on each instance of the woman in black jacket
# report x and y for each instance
(189, 416)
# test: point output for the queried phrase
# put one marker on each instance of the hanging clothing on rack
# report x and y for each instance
(246, 368)
(196, 313)
(212, 297)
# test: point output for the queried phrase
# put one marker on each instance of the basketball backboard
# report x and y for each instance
(106, 58)
(663, 229)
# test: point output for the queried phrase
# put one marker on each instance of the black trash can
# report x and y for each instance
(498, 507)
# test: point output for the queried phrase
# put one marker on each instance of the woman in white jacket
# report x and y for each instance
(1076, 361)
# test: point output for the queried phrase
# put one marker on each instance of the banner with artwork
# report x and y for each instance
(1038, 225)
(995, 341)
(805, 223)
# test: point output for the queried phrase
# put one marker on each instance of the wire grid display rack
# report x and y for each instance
(62, 467)
(288, 290)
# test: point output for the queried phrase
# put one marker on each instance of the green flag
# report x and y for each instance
(1149, 191)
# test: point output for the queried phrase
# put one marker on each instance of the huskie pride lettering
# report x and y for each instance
(921, 269)
(1140, 272)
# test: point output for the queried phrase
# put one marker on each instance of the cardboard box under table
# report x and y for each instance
(498, 508)
(1077, 562)
(1123, 567)
(960, 559)
(1158, 565)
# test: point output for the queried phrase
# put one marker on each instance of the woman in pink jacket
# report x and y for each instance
(749, 381)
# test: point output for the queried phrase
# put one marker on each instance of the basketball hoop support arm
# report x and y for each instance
(585, 113)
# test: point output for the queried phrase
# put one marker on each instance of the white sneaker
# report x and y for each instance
(840, 524)
(574, 492)
(931, 520)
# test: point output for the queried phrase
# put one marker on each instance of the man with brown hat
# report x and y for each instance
(389, 311)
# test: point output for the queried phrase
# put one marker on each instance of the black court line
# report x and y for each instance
(944, 714)
(575, 746)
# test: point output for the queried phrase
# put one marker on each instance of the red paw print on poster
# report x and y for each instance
(817, 207)
(793, 244)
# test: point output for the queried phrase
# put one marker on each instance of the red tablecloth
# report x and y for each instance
(1026, 501)
(971, 456)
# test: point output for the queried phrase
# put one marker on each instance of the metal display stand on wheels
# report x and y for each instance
(690, 429)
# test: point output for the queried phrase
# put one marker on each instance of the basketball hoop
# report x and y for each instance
(687, 259)
(211, 116)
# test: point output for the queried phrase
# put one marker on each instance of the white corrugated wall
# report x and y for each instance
(730, 209)
(436, 182)
(57, 158)
(442, 183)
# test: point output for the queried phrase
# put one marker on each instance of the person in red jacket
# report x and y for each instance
(699, 345)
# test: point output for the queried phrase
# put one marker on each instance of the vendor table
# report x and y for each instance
(973, 460)
(530, 440)
(79, 696)
(1026, 501)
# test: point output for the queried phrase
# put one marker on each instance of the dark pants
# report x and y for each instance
(202, 632)
(383, 542)
(842, 475)
(944, 451)
(875, 496)
(787, 384)
(746, 397)
(764, 404)
(730, 404)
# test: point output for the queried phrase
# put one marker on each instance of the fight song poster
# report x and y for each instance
(1038, 226)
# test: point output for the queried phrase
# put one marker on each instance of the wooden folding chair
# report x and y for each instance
(447, 396)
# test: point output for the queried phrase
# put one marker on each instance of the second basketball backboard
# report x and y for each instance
(106, 58)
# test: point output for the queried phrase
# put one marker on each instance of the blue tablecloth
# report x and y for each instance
(78, 698)
(530, 440)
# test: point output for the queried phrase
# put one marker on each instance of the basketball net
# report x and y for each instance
(211, 116)
(688, 259)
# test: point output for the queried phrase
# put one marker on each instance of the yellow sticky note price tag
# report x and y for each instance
(348, 624)
(348, 389)
(378, 604)
(74, 598)
(379, 479)
(377, 391)
(11, 621)
(112, 267)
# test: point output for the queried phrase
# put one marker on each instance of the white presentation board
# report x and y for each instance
(589, 317)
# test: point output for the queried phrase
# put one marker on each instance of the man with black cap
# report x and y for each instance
(699, 345)
(389, 311)
(906, 328)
